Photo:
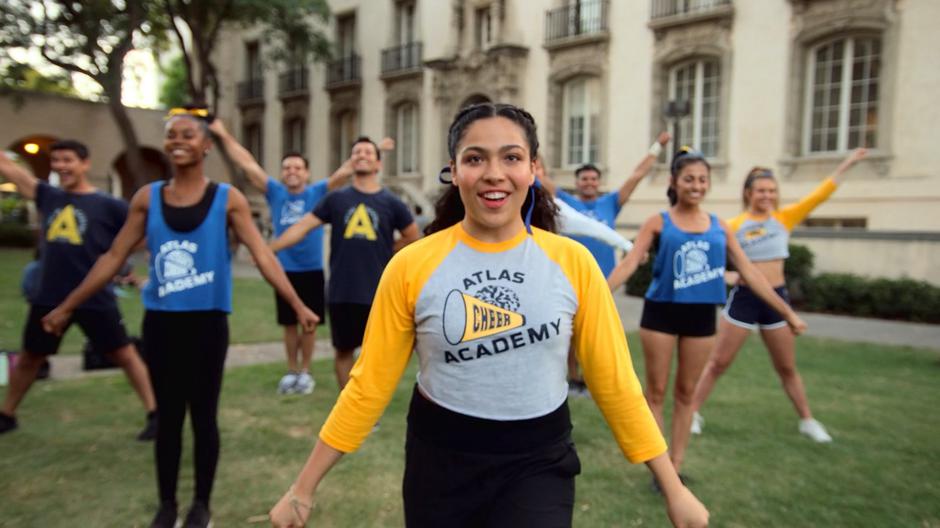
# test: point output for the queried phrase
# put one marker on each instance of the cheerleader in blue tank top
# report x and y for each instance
(187, 301)
(688, 284)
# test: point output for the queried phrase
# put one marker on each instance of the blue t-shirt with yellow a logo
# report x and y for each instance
(76, 230)
(361, 241)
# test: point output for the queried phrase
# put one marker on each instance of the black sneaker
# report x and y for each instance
(166, 516)
(7, 423)
(149, 431)
(198, 516)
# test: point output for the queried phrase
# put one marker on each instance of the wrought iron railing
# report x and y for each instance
(668, 8)
(293, 82)
(588, 17)
(251, 90)
(401, 58)
(343, 70)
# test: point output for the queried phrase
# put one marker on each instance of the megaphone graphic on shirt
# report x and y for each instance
(467, 318)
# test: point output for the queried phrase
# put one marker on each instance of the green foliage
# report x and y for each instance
(16, 234)
(847, 294)
(639, 282)
(17, 76)
(13, 210)
(174, 92)
(798, 269)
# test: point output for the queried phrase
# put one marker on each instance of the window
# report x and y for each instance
(407, 137)
(584, 16)
(253, 141)
(405, 27)
(347, 128)
(295, 135)
(837, 223)
(483, 28)
(842, 95)
(699, 83)
(252, 61)
(581, 121)
(345, 36)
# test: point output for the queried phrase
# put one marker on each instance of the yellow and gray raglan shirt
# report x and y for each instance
(764, 239)
(492, 324)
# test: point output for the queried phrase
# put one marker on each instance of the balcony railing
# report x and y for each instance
(582, 18)
(401, 58)
(670, 8)
(251, 91)
(293, 82)
(342, 71)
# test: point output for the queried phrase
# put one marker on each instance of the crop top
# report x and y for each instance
(764, 239)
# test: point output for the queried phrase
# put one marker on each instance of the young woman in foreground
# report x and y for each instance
(491, 305)
(763, 231)
(688, 283)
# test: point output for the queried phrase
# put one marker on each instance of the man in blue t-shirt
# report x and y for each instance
(78, 224)
(289, 200)
(603, 208)
(364, 217)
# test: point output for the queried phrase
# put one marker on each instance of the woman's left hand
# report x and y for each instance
(289, 513)
(796, 324)
(55, 321)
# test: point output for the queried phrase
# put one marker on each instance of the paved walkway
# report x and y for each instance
(828, 326)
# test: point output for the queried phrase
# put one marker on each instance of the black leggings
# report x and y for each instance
(186, 355)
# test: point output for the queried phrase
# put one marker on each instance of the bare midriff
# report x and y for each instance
(772, 270)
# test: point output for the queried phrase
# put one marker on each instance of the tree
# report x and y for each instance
(291, 33)
(17, 76)
(89, 37)
(174, 92)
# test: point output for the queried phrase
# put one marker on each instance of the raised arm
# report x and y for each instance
(644, 239)
(108, 264)
(847, 163)
(295, 233)
(758, 283)
(25, 182)
(340, 176)
(240, 155)
(642, 169)
(239, 215)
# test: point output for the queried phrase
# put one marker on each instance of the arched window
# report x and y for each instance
(347, 127)
(581, 121)
(699, 83)
(406, 136)
(295, 135)
(842, 95)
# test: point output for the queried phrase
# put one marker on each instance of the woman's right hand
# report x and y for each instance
(685, 510)
(796, 324)
(290, 511)
(55, 321)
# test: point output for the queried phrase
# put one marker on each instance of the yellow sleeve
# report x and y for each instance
(736, 222)
(605, 359)
(793, 214)
(386, 349)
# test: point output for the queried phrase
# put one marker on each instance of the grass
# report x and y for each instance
(252, 320)
(73, 461)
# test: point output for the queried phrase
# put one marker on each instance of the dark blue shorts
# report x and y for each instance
(747, 310)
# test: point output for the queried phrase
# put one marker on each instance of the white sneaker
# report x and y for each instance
(286, 385)
(815, 430)
(305, 383)
(698, 423)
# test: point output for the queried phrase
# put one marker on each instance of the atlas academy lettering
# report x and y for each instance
(183, 283)
(706, 275)
(513, 341)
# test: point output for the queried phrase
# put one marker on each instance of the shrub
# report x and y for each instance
(847, 294)
(798, 269)
(14, 234)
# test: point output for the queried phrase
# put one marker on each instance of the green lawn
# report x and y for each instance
(252, 320)
(73, 462)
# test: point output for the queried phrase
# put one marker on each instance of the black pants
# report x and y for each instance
(186, 355)
(454, 487)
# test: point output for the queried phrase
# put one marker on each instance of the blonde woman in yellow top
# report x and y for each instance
(763, 230)
(490, 301)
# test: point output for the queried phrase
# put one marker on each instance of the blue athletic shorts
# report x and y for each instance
(747, 310)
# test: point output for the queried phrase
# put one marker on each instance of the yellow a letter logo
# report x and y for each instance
(360, 224)
(64, 227)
